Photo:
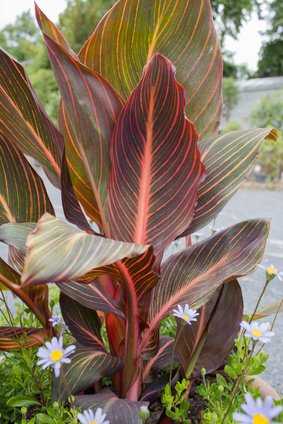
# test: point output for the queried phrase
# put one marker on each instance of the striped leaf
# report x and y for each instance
(193, 275)
(117, 410)
(86, 368)
(15, 338)
(23, 197)
(8, 277)
(156, 167)
(83, 323)
(71, 206)
(218, 323)
(48, 28)
(23, 121)
(57, 251)
(228, 159)
(35, 298)
(92, 296)
(87, 119)
(182, 30)
(16, 234)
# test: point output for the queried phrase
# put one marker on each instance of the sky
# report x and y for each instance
(246, 48)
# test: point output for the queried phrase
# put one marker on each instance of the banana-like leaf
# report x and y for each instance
(228, 159)
(23, 197)
(12, 338)
(117, 410)
(83, 323)
(71, 206)
(36, 298)
(58, 251)
(90, 111)
(8, 276)
(193, 275)
(156, 167)
(86, 368)
(182, 30)
(16, 234)
(92, 296)
(218, 323)
(48, 28)
(23, 120)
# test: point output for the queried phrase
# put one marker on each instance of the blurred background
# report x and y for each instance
(251, 36)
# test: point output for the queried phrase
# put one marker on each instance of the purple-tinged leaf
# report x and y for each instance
(156, 167)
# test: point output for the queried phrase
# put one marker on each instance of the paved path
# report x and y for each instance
(248, 204)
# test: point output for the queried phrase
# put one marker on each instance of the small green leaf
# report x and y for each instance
(22, 401)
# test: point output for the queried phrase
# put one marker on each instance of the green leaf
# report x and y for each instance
(57, 251)
(20, 401)
(117, 410)
(89, 112)
(83, 323)
(193, 275)
(228, 159)
(87, 367)
(156, 167)
(133, 31)
(23, 121)
(218, 323)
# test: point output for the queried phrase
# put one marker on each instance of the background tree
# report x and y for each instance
(269, 113)
(271, 55)
(230, 96)
(23, 41)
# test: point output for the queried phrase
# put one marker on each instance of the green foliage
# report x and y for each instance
(230, 96)
(270, 62)
(231, 126)
(21, 38)
(80, 18)
(174, 402)
(269, 112)
(217, 392)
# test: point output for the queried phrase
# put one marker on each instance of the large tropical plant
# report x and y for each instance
(139, 164)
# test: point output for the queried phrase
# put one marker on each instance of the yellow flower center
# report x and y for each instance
(260, 419)
(93, 422)
(271, 270)
(256, 332)
(186, 317)
(56, 355)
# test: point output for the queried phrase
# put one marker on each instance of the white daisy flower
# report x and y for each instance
(55, 320)
(257, 411)
(53, 354)
(89, 417)
(185, 313)
(258, 332)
